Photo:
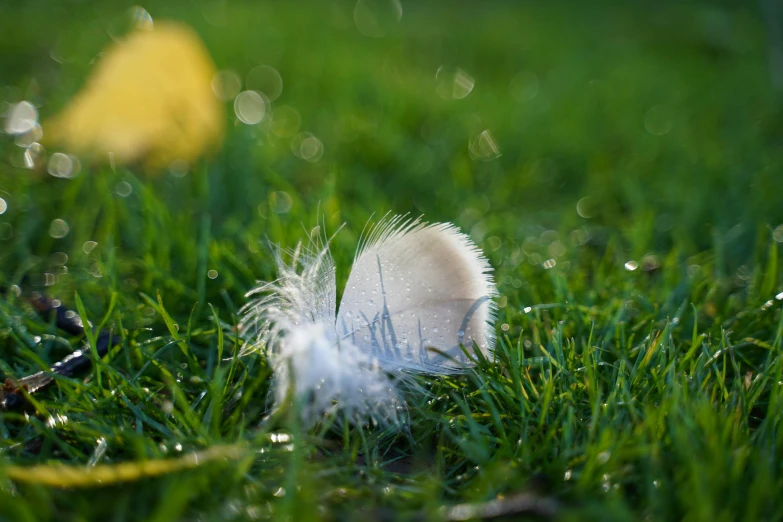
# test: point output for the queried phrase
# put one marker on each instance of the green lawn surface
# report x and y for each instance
(620, 164)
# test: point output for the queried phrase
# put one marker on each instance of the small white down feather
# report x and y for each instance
(415, 293)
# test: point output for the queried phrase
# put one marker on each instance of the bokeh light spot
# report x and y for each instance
(34, 156)
(586, 207)
(285, 121)
(306, 146)
(376, 18)
(21, 118)
(484, 147)
(28, 138)
(311, 149)
(60, 165)
(453, 84)
(265, 79)
(58, 229)
(650, 262)
(226, 84)
(3, 206)
(493, 243)
(250, 107)
(123, 189)
(179, 168)
(140, 18)
(777, 234)
(280, 202)
(59, 258)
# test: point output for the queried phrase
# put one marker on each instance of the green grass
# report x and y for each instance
(618, 394)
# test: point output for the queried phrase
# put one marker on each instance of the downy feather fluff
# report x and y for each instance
(416, 291)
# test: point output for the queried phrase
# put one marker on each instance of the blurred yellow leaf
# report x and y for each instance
(65, 476)
(150, 97)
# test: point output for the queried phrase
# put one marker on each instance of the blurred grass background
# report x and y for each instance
(619, 162)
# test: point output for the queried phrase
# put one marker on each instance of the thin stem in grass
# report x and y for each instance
(87, 327)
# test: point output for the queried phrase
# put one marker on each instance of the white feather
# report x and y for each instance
(414, 294)
(293, 318)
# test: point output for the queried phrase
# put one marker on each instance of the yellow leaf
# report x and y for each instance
(65, 476)
(149, 98)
